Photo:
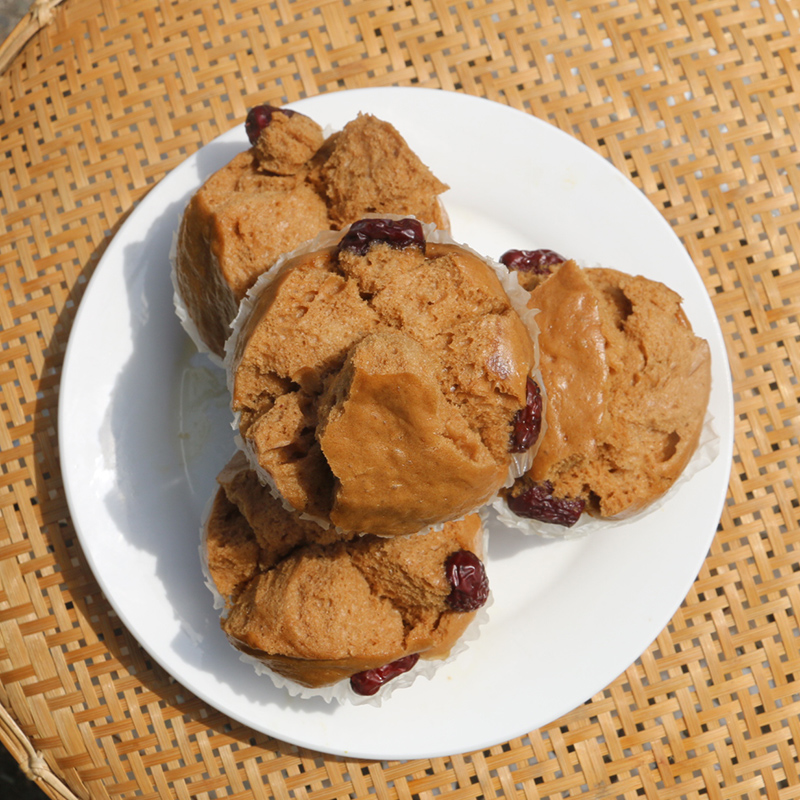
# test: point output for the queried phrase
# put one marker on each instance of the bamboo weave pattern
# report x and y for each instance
(697, 102)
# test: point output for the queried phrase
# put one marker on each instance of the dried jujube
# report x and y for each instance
(370, 681)
(259, 117)
(397, 233)
(467, 577)
(536, 261)
(527, 424)
(535, 500)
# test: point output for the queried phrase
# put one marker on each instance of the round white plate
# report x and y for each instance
(145, 427)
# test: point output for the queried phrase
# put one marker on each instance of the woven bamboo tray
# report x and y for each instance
(697, 102)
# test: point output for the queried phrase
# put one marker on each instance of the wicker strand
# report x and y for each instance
(39, 15)
(34, 767)
(695, 102)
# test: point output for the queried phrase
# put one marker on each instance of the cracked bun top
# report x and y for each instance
(316, 607)
(627, 382)
(290, 185)
(376, 382)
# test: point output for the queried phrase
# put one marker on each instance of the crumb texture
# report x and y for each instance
(373, 170)
(288, 143)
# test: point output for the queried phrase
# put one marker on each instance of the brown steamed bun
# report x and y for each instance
(317, 608)
(290, 185)
(377, 389)
(627, 384)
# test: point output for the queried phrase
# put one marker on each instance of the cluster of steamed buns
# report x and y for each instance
(389, 384)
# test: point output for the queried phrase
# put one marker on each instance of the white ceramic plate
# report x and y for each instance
(145, 427)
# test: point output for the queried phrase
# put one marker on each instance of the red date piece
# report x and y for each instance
(259, 117)
(370, 680)
(527, 424)
(537, 502)
(397, 233)
(467, 575)
(535, 261)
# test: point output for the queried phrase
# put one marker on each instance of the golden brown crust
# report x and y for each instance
(628, 385)
(574, 370)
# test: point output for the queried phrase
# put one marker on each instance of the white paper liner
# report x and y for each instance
(181, 309)
(341, 691)
(234, 346)
(706, 453)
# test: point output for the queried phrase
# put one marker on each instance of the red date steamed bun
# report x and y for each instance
(627, 383)
(317, 608)
(377, 382)
(290, 185)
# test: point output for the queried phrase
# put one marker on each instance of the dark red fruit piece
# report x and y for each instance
(536, 261)
(467, 576)
(259, 117)
(370, 680)
(537, 502)
(527, 423)
(398, 233)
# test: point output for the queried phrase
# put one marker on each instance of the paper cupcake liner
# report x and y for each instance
(341, 691)
(518, 297)
(182, 310)
(706, 453)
